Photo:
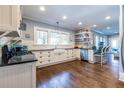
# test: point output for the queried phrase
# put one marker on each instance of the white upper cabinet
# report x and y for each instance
(10, 16)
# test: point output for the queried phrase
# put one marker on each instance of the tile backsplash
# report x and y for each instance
(32, 46)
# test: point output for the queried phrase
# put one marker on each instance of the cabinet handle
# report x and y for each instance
(40, 61)
(48, 55)
(40, 57)
(40, 52)
(49, 60)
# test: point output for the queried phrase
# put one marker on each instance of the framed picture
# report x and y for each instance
(27, 36)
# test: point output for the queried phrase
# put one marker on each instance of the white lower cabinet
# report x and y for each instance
(50, 57)
(18, 76)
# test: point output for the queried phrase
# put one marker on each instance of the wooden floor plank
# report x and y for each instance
(78, 74)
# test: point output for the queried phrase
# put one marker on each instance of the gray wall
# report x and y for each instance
(30, 28)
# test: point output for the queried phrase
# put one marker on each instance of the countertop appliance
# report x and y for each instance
(13, 50)
(20, 50)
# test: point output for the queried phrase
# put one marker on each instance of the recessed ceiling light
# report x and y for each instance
(108, 27)
(64, 17)
(108, 17)
(80, 23)
(94, 25)
(42, 8)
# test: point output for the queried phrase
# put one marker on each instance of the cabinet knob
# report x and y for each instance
(40, 61)
(40, 56)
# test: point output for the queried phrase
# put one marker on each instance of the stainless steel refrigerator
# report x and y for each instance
(121, 52)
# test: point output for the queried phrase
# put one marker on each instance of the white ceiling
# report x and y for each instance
(87, 14)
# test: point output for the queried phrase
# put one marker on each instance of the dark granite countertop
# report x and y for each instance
(59, 48)
(42, 50)
(52, 49)
(87, 48)
(19, 60)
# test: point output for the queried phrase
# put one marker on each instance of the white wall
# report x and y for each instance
(30, 30)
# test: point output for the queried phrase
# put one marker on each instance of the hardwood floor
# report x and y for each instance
(77, 74)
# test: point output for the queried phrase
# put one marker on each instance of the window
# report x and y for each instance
(64, 39)
(53, 38)
(105, 40)
(41, 37)
(49, 36)
(100, 38)
(59, 38)
(114, 42)
(96, 41)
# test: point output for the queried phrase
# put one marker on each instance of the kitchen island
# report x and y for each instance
(18, 72)
(87, 54)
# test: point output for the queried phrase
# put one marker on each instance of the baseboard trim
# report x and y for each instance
(57, 62)
(121, 76)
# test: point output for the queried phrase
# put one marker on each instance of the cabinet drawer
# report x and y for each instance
(44, 52)
(43, 56)
(70, 51)
(42, 62)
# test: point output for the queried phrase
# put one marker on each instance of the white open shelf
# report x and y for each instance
(83, 38)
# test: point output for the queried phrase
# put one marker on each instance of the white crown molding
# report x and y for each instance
(38, 20)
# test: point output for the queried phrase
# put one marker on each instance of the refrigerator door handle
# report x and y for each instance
(122, 60)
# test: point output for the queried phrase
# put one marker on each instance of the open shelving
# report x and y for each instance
(83, 38)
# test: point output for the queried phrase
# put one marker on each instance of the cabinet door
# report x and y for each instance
(37, 56)
(77, 53)
(0, 16)
(9, 15)
(90, 56)
(83, 54)
(86, 55)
